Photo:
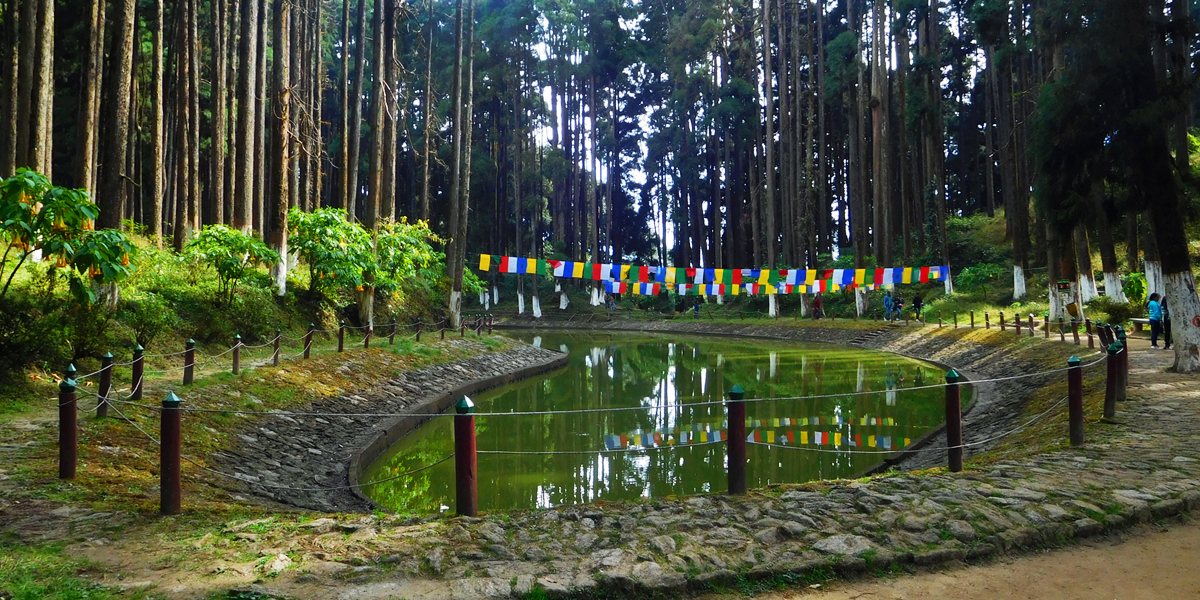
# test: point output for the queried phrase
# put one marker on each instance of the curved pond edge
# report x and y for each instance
(439, 402)
(991, 411)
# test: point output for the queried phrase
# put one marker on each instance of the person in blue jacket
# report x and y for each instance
(887, 306)
(1155, 310)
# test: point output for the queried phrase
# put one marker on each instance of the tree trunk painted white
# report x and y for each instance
(108, 295)
(1058, 303)
(595, 301)
(537, 308)
(1087, 287)
(455, 305)
(563, 301)
(482, 297)
(1154, 278)
(862, 377)
(772, 308)
(805, 302)
(1112, 287)
(366, 306)
(280, 269)
(861, 303)
(720, 299)
(495, 296)
(1185, 310)
(520, 304)
(949, 283)
(1019, 291)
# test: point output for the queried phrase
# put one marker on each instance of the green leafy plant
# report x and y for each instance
(230, 252)
(1134, 286)
(980, 276)
(37, 215)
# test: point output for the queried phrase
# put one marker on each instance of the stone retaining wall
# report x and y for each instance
(312, 461)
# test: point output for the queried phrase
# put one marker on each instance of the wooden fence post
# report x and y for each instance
(342, 336)
(237, 353)
(1075, 400)
(466, 481)
(392, 333)
(1112, 381)
(736, 444)
(136, 374)
(275, 354)
(308, 339)
(106, 375)
(954, 438)
(68, 428)
(170, 453)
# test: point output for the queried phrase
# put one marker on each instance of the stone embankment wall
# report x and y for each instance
(312, 461)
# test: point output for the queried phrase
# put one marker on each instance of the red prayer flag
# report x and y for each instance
(924, 274)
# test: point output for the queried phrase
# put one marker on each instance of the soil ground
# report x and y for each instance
(1147, 562)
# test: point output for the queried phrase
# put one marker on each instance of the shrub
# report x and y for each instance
(230, 253)
(1114, 312)
(149, 316)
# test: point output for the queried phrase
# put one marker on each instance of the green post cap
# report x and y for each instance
(71, 371)
(108, 355)
(278, 330)
(1073, 361)
(172, 401)
(191, 343)
(464, 406)
(952, 376)
(237, 337)
(736, 392)
(342, 322)
(138, 349)
(1115, 347)
(67, 385)
(312, 325)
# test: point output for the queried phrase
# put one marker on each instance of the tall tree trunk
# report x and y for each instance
(216, 165)
(115, 125)
(1108, 254)
(27, 22)
(41, 154)
(243, 214)
(86, 151)
(427, 113)
(391, 113)
(342, 196)
(157, 150)
(455, 247)
(1083, 256)
(467, 142)
(194, 179)
(262, 124)
(769, 139)
(281, 134)
(183, 134)
(371, 209)
(355, 137)
(10, 69)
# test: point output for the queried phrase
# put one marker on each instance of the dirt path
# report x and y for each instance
(1141, 563)
(1145, 562)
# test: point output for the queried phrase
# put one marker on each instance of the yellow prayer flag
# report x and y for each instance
(531, 265)
(485, 262)
(906, 275)
(624, 272)
(810, 277)
(860, 276)
(670, 275)
(577, 270)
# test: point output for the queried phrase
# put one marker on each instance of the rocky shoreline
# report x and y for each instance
(311, 462)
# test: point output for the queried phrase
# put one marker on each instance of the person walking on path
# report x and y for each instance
(917, 306)
(818, 306)
(1166, 322)
(898, 307)
(1155, 310)
(887, 306)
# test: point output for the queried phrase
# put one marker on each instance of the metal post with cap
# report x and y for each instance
(308, 339)
(170, 452)
(106, 375)
(1124, 362)
(736, 444)
(136, 371)
(237, 353)
(68, 429)
(466, 480)
(954, 437)
(189, 362)
(341, 336)
(1112, 382)
(1075, 400)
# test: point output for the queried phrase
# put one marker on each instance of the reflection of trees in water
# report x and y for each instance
(665, 377)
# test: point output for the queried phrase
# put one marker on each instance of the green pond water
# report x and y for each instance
(660, 443)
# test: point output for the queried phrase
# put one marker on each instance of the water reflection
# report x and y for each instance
(665, 435)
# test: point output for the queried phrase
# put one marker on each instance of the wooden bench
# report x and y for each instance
(1139, 324)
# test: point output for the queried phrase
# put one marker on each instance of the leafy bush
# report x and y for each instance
(230, 252)
(980, 276)
(1134, 286)
(1114, 312)
(149, 316)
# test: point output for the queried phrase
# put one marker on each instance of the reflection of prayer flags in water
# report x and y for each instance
(858, 440)
(871, 441)
(791, 437)
(887, 442)
(905, 443)
(657, 439)
(624, 440)
(803, 437)
(837, 438)
(683, 437)
(771, 437)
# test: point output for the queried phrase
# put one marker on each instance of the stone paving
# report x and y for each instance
(1147, 469)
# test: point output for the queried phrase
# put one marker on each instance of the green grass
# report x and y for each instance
(44, 573)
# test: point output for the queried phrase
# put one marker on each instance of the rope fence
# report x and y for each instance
(1115, 356)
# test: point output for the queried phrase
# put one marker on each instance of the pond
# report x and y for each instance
(646, 420)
